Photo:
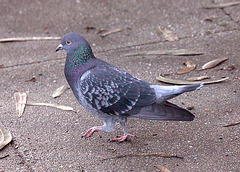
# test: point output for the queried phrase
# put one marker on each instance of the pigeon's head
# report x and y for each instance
(71, 42)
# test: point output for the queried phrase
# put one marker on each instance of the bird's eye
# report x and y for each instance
(68, 42)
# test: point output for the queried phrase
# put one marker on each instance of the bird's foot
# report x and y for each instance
(121, 138)
(92, 130)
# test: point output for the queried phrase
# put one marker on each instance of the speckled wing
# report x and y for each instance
(113, 91)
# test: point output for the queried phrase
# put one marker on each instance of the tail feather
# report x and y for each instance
(164, 112)
(164, 93)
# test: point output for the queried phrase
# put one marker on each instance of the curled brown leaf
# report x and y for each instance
(190, 66)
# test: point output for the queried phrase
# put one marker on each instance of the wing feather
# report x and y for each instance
(113, 91)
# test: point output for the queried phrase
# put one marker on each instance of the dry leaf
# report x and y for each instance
(68, 108)
(180, 52)
(59, 91)
(213, 63)
(19, 39)
(190, 66)
(21, 100)
(162, 168)
(198, 78)
(222, 5)
(111, 32)
(5, 137)
(182, 82)
(167, 34)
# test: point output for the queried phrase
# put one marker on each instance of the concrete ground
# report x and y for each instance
(49, 139)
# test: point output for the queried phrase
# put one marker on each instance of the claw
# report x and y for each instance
(92, 130)
(121, 138)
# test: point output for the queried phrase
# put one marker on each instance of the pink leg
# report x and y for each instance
(121, 138)
(92, 130)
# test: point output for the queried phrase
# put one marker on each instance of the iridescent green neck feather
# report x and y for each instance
(77, 57)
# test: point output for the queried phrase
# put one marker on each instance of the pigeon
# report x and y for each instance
(113, 94)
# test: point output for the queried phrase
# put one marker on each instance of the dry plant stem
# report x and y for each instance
(5, 156)
(67, 108)
(158, 154)
(232, 124)
(111, 32)
(19, 39)
(179, 52)
(222, 5)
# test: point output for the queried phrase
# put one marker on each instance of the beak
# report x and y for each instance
(59, 47)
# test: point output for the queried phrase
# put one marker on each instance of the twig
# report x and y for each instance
(19, 39)
(179, 52)
(232, 124)
(158, 154)
(67, 108)
(5, 156)
(111, 32)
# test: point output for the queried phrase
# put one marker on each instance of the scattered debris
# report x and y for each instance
(231, 67)
(190, 66)
(213, 63)
(232, 124)
(210, 19)
(87, 28)
(101, 144)
(190, 107)
(112, 149)
(180, 52)
(67, 108)
(159, 154)
(101, 31)
(59, 91)
(162, 168)
(111, 32)
(33, 79)
(182, 82)
(1, 66)
(167, 34)
(20, 39)
(21, 100)
(222, 5)
(5, 137)
(198, 78)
